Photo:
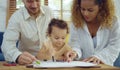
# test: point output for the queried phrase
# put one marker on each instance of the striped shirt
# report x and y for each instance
(28, 30)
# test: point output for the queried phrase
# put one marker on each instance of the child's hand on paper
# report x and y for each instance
(69, 56)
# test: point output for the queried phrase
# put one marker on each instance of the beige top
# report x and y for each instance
(47, 51)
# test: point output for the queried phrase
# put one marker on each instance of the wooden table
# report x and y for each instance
(20, 67)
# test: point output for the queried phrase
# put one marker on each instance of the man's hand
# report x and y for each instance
(26, 58)
(93, 59)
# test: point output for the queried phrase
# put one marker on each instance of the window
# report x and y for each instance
(11, 9)
(66, 13)
(61, 8)
(20, 3)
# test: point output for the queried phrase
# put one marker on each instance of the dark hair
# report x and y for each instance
(98, 2)
(58, 23)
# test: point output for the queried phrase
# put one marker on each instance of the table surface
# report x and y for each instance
(22, 67)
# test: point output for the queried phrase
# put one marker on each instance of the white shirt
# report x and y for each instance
(29, 31)
(94, 41)
(107, 47)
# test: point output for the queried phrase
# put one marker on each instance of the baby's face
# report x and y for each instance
(58, 36)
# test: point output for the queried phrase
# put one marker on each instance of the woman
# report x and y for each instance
(95, 32)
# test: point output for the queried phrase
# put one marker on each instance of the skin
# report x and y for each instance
(33, 7)
(58, 40)
(89, 12)
(58, 37)
(26, 58)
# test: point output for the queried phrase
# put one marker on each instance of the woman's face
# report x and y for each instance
(89, 10)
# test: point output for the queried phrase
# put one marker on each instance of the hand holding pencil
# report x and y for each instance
(69, 56)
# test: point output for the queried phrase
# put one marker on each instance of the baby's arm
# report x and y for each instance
(69, 54)
(42, 54)
(46, 52)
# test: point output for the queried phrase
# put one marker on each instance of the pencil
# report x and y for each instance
(53, 58)
(37, 62)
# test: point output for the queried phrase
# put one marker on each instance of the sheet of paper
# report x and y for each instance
(50, 64)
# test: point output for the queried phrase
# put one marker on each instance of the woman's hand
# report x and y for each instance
(94, 60)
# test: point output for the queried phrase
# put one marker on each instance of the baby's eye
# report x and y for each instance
(56, 38)
(63, 38)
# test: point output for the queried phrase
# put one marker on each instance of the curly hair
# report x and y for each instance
(105, 15)
(58, 23)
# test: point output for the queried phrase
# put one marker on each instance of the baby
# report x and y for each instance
(55, 45)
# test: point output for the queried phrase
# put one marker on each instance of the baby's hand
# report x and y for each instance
(70, 55)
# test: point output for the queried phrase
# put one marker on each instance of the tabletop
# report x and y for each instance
(23, 67)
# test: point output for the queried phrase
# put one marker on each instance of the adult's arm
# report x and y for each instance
(109, 54)
(10, 38)
(74, 41)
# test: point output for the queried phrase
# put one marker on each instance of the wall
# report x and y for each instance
(3, 9)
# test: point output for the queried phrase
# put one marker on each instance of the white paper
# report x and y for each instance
(50, 64)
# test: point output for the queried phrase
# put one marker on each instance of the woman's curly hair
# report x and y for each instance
(105, 15)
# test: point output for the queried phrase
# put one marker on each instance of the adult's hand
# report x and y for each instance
(25, 58)
(93, 59)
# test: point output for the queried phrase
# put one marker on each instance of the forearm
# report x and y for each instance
(10, 54)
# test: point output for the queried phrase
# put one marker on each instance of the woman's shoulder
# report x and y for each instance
(115, 22)
(72, 25)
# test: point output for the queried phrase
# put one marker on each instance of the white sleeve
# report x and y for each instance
(10, 38)
(74, 42)
(112, 49)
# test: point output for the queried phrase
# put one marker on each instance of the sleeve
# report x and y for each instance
(10, 39)
(74, 42)
(112, 49)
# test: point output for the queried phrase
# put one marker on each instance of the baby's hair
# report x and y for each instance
(58, 23)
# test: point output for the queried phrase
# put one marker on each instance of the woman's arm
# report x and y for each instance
(109, 54)
(74, 41)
